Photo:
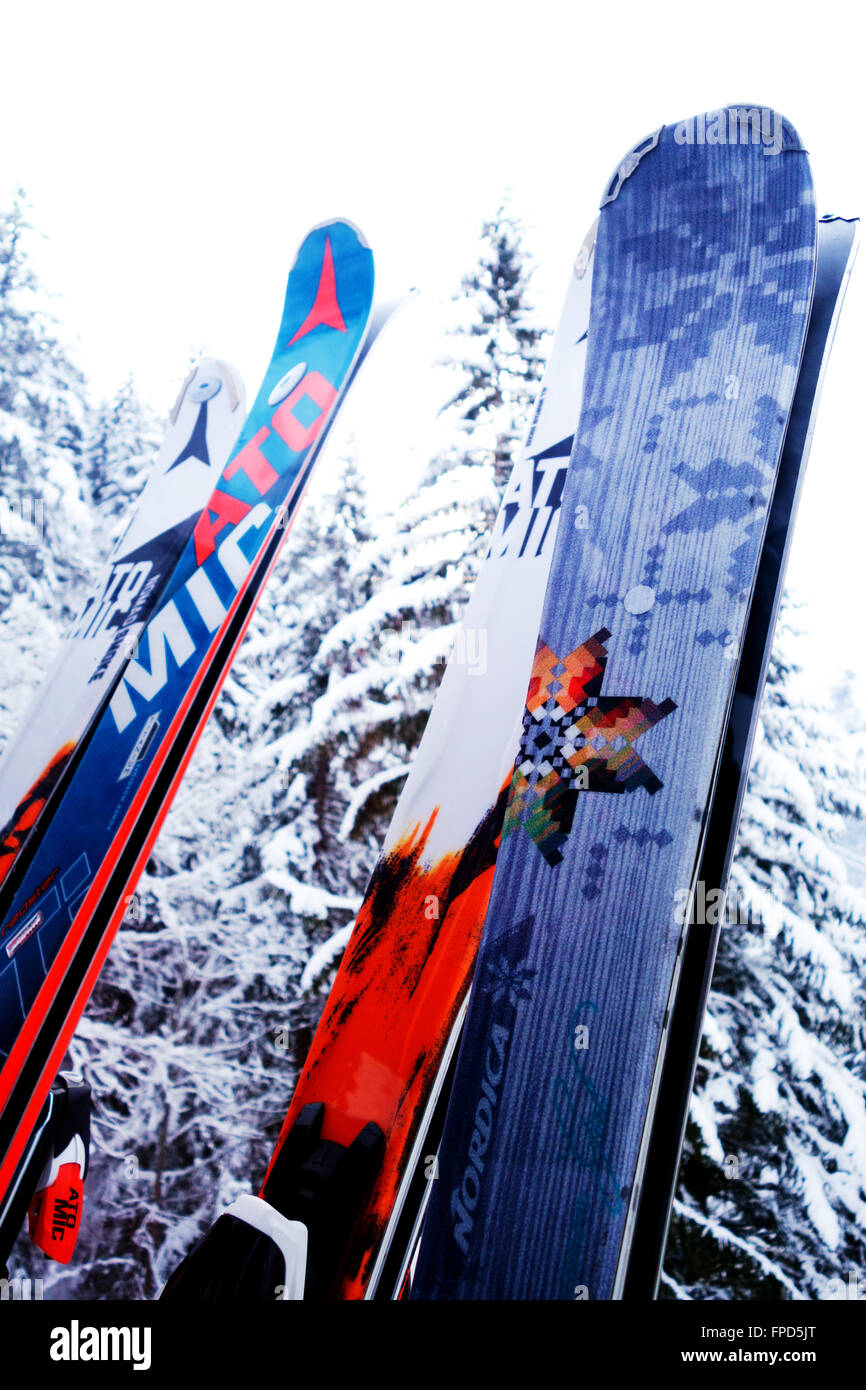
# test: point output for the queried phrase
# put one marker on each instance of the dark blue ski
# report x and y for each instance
(837, 240)
(704, 271)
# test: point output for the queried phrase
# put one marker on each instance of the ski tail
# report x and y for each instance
(285, 1243)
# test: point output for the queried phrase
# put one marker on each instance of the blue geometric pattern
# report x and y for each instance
(702, 281)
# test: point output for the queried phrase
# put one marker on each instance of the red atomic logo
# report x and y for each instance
(326, 309)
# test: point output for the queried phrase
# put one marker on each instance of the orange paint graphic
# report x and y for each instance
(29, 809)
(392, 1007)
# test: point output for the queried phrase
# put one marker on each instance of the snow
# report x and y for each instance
(765, 1083)
(324, 956)
(725, 1237)
(819, 1208)
(329, 716)
(703, 1116)
(365, 790)
(308, 900)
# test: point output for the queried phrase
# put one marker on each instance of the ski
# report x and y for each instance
(58, 924)
(204, 424)
(347, 1164)
(837, 247)
(702, 287)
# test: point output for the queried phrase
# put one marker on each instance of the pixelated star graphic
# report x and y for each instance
(575, 739)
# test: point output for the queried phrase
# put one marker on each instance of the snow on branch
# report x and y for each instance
(723, 1236)
(324, 955)
(364, 791)
(306, 899)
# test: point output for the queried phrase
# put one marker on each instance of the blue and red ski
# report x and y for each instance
(58, 916)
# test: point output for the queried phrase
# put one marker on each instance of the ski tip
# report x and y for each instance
(736, 124)
(232, 380)
(206, 377)
(835, 217)
(843, 233)
(585, 251)
(768, 122)
(340, 222)
(385, 310)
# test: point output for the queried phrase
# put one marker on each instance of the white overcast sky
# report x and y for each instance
(174, 155)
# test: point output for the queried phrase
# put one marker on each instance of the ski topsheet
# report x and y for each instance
(702, 283)
(58, 925)
(377, 1052)
(203, 428)
(837, 242)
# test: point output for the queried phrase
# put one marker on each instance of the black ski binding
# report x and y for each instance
(288, 1243)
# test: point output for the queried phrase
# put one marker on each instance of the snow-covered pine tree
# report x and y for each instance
(51, 541)
(44, 522)
(120, 445)
(847, 703)
(500, 356)
(771, 1201)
